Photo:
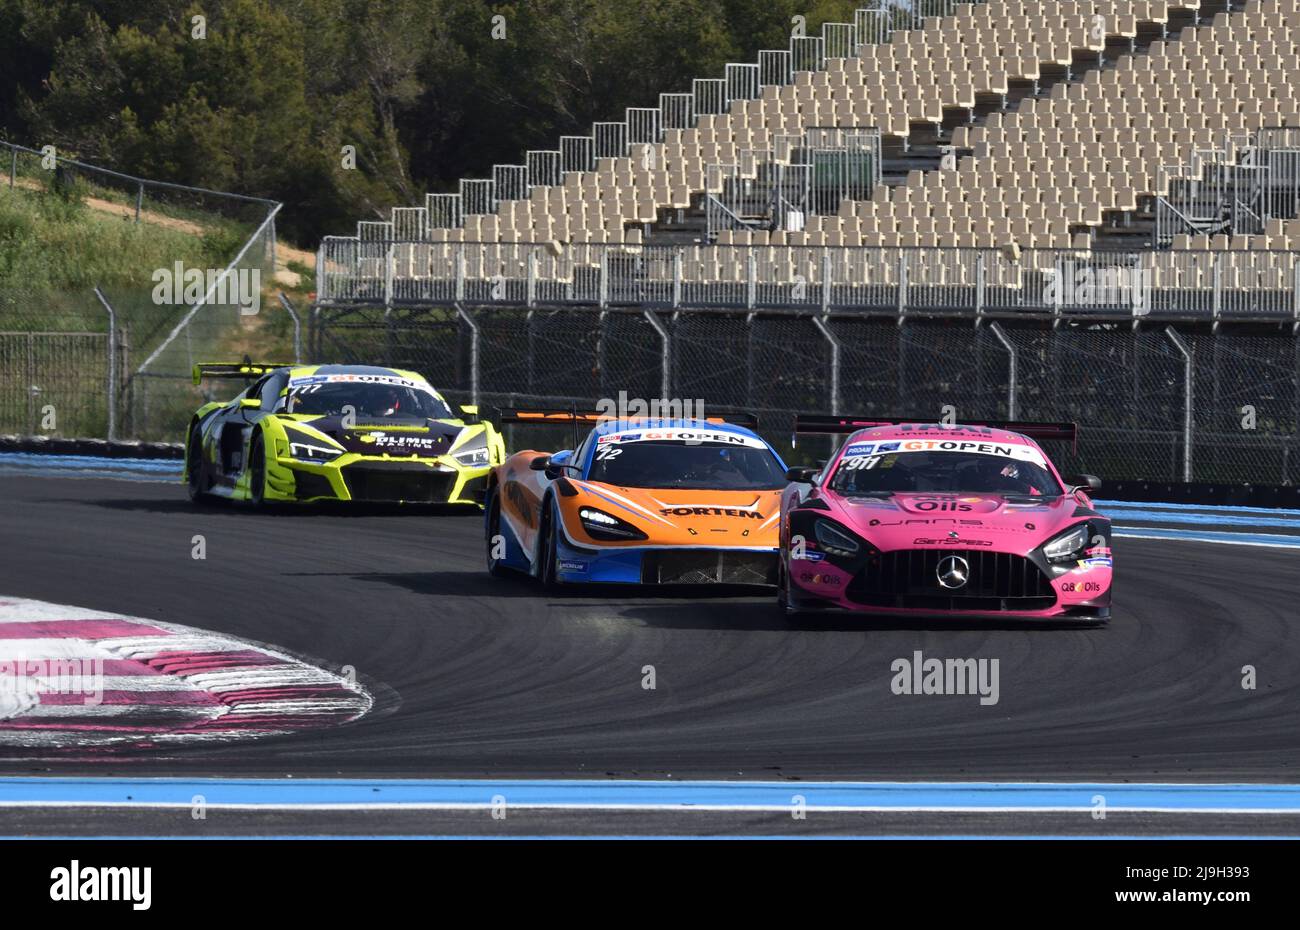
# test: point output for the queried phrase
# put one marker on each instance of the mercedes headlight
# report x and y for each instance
(834, 540)
(1068, 546)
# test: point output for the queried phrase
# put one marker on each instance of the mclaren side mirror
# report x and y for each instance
(250, 403)
(541, 463)
(1091, 482)
(801, 474)
(470, 411)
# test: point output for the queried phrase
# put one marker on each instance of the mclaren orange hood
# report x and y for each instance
(673, 517)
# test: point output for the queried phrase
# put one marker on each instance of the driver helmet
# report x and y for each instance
(386, 403)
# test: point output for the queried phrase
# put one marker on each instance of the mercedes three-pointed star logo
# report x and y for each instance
(953, 571)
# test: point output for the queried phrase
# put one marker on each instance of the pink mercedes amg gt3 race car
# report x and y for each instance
(921, 518)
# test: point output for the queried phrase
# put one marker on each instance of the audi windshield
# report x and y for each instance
(388, 401)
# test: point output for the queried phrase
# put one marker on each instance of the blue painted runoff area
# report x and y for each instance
(646, 795)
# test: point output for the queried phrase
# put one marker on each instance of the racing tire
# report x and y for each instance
(257, 472)
(548, 551)
(195, 483)
(496, 567)
(793, 615)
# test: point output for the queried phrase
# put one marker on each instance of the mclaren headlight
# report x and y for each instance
(474, 454)
(834, 540)
(309, 449)
(601, 525)
(1069, 545)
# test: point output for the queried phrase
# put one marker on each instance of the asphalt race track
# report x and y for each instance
(475, 677)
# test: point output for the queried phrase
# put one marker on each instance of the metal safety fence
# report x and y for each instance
(1195, 284)
(159, 392)
(57, 382)
(153, 337)
(1157, 403)
(48, 170)
(70, 362)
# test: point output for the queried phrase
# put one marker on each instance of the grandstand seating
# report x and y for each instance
(1093, 146)
(1047, 174)
(1054, 166)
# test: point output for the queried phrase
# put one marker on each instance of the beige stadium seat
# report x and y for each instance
(911, 79)
(1101, 166)
(1044, 174)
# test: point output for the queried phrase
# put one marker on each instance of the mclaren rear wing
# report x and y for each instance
(841, 425)
(245, 370)
(559, 416)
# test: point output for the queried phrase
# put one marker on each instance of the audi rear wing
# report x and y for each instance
(245, 370)
(841, 425)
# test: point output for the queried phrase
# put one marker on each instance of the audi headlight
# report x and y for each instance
(1068, 546)
(309, 449)
(833, 539)
(474, 454)
(601, 525)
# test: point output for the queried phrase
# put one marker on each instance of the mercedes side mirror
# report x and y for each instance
(1091, 482)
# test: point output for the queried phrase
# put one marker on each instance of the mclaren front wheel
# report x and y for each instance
(548, 550)
(496, 542)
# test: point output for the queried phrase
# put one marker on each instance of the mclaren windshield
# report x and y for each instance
(389, 401)
(716, 466)
(1022, 473)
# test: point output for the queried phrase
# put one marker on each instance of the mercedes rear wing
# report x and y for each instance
(246, 370)
(842, 425)
(560, 416)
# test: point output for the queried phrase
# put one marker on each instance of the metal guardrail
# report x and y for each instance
(1211, 285)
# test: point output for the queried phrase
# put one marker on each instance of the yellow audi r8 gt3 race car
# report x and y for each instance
(337, 433)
